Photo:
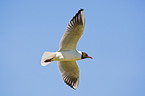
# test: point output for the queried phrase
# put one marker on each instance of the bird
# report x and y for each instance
(67, 55)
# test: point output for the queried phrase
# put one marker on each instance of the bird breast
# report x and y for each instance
(68, 55)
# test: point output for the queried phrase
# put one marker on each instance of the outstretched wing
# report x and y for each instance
(73, 33)
(70, 73)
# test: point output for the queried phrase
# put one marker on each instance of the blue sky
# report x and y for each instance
(114, 36)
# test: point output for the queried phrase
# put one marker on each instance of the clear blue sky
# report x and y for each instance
(114, 36)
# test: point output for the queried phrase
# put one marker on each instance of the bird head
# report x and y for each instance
(85, 55)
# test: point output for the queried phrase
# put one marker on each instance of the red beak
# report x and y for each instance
(89, 57)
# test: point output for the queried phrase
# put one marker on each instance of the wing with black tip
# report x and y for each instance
(70, 73)
(73, 33)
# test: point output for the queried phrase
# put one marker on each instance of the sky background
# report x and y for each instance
(114, 36)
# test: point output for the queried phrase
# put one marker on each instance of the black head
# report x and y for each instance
(85, 55)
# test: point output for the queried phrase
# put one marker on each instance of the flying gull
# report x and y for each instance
(67, 55)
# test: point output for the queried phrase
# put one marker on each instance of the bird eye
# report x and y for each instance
(86, 54)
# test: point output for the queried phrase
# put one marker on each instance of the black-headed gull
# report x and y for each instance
(67, 53)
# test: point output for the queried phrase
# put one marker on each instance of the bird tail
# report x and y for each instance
(47, 58)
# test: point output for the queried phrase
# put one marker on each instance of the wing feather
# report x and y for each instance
(73, 32)
(70, 73)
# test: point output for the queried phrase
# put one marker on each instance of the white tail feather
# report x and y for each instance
(46, 56)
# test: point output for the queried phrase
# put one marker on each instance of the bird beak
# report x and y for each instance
(89, 57)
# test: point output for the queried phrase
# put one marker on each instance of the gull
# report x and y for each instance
(67, 55)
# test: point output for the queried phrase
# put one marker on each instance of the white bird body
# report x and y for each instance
(67, 53)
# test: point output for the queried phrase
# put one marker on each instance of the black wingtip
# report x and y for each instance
(70, 81)
(70, 85)
(77, 14)
(81, 10)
